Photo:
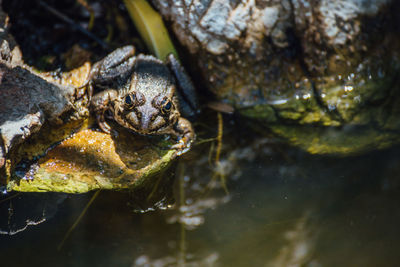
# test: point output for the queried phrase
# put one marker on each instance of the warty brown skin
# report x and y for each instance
(140, 93)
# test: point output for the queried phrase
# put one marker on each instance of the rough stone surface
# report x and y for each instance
(214, 24)
(297, 62)
(26, 102)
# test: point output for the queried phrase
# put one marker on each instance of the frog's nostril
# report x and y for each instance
(146, 120)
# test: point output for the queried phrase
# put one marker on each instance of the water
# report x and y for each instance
(283, 208)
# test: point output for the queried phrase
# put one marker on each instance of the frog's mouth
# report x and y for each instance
(154, 124)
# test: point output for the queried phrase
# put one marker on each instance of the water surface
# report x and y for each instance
(283, 208)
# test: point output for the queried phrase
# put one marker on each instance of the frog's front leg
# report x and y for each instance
(185, 133)
(189, 106)
(117, 64)
(99, 104)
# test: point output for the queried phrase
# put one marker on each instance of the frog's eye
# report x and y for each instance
(166, 106)
(130, 100)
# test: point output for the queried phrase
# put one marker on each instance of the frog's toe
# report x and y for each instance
(182, 146)
(103, 125)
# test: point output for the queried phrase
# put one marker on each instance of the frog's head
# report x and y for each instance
(148, 113)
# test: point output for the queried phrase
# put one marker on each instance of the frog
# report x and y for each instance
(143, 94)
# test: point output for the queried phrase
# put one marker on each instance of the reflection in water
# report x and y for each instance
(19, 211)
(298, 246)
(284, 208)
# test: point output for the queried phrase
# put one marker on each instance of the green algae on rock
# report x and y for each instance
(94, 160)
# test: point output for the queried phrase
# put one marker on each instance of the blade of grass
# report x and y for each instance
(151, 27)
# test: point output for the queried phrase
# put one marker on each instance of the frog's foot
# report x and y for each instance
(103, 124)
(182, 146)
(185, 134)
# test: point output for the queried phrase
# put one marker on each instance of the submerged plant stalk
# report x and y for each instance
(78, 219)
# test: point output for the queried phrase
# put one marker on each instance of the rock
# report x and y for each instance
(303, 69)
(9, 51)
(27, 102)
(95, 160)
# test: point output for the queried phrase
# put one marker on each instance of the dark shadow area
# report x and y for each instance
(44, 37)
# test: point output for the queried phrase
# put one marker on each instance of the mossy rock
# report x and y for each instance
(91, 160)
